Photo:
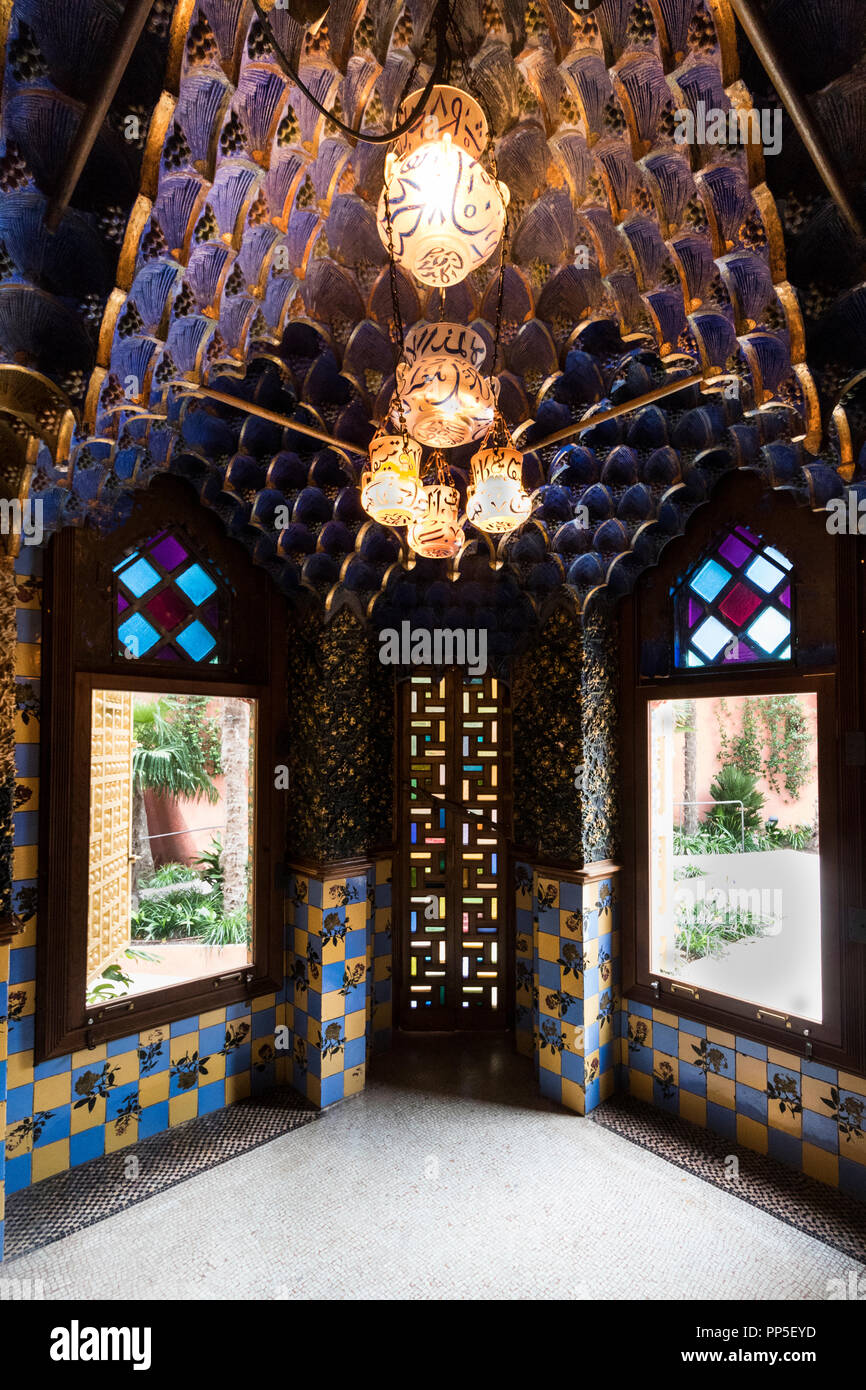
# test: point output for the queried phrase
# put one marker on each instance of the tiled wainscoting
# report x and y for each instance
(798, 1111)
(338, 978)
(567, 978)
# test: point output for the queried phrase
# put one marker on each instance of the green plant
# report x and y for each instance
(789, 761)
(731, 784)
(175, 915)
(166, 758)
(170, 873)
(689, 871)
(113, 981)
(231, 930)
(209, 863)
(707, 928)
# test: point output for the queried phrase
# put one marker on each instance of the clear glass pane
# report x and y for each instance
(734, 861)
(171, 809)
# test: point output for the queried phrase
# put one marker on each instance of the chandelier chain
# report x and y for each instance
(396, 312)
(476, 91)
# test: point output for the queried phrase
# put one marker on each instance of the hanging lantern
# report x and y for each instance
(496, 501)
(437, 534)
(391, 490)
(445, 399)
(447, 213)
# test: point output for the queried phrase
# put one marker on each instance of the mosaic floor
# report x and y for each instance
(93, 1191)
(447, 1178)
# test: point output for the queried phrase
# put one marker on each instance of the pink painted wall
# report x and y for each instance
(799, 812)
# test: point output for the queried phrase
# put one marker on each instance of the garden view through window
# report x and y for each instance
(171, 796)
(734, 875)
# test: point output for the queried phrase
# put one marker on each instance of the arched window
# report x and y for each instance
(165, 665)
(731, 709)
(734, 605)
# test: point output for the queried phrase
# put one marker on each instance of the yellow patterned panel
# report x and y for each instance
(110, 827)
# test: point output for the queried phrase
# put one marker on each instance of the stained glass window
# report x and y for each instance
(168, 603)
(734, 606)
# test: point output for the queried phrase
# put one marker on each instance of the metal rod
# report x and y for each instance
(590, 421)
(759, 36)
(129, 29)
(251, 408)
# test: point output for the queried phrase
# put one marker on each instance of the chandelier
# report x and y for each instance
(441, 215)
(445, 213)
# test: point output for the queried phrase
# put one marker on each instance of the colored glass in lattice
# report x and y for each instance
(168, 604)
(734, 606)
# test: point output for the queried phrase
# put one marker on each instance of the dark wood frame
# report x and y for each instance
(457, 1020)
(81, 654)
(830, 656)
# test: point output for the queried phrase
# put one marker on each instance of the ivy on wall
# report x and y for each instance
(773, 741)
(340, 742)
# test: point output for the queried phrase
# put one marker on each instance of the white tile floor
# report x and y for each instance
(448, 1178)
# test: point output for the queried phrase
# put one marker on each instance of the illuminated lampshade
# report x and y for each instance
(438, 534)
(445, 398)
(447, 213)
(496, 501)
(391, 491)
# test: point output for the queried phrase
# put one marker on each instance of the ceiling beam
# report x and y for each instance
(759, 36)
(129, 29)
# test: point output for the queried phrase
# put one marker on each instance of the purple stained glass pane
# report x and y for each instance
(167, 653)
(169, 552)
(696, 612)
(122, 603)
(734, 551)
(749, 535)
(785, 596)
(742, 652)
(167, 608)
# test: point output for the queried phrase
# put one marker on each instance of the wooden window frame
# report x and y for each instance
(830, 578)
(80, 654)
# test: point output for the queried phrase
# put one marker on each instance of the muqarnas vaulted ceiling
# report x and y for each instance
(249, 261)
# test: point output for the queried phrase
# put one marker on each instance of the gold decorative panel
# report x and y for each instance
(110, 827)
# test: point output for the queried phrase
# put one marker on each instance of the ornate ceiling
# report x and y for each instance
(231, 242)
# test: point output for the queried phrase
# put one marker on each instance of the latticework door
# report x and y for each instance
(110, 827)
(453, 960)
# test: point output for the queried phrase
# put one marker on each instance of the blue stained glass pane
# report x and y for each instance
(778, 557)
(196, 641)
(196, 584)
(710, 579)
(139, 577)
(770, 630)
(137, 635)
(765, 575)
(694, 660)
(710, 637)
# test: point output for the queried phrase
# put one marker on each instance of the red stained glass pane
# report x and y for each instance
(740, 604)
(168, 608)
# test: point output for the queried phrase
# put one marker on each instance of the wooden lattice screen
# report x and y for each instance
(453, 971)
(110, 827)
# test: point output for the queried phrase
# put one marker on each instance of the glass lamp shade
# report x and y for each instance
(445, 398)
(391, 490)
(496, 501)
(447, 213)
(438, 534)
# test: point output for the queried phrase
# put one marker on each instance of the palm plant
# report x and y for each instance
(731, 784)
(166, 761)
